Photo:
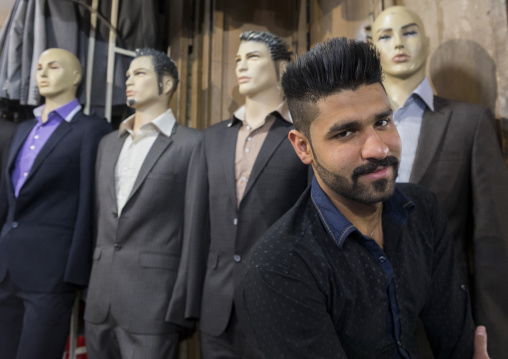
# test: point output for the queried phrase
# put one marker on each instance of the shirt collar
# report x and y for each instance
(397, 207)
(282, 110)
(65, 112)
(424, 91)
(163, 123)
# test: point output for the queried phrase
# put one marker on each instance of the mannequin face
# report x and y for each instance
(58, 74)
(400, 38)
(142, 83)
(255, 69)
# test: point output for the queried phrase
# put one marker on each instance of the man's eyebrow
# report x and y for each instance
(343, 126)
(386, 113)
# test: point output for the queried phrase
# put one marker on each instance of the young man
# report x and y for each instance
(452, 149)
(347, 272)
(142, 171)
(246, 177)
(46, 239)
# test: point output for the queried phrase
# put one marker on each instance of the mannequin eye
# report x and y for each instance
(384, 37)
(410, 33)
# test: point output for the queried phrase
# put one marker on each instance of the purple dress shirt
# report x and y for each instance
(39, 135)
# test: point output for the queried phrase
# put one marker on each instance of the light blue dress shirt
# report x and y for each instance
(408, 120)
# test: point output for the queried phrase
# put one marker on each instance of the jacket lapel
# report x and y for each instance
(434, 125)
(56, 137)
(17, 142)
(227, 157)
(157, 149)
(110, 160)
(277, 133)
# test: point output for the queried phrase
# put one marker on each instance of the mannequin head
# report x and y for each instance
(399, 35)
(58, 75)
(260, 59)
(152, 78)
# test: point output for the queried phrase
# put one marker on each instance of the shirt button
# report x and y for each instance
(249, 138)
(399, 343)
(247, 150)
(32, 147)
(25, 174)
(382, 259)
(15, 225)
(235, 221)
(36, 137)
(244, 179)
(117, 247)
(248, 127)
(237, 258)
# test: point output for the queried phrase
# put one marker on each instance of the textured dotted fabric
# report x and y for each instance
(309, 298)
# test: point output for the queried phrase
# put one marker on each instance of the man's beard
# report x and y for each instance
(352, 189)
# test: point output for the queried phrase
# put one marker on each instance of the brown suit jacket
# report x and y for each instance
(459, 159)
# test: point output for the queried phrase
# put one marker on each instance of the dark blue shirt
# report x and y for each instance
(340, 228)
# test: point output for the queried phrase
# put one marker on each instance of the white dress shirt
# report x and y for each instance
(134, 151)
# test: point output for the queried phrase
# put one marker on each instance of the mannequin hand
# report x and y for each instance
(480, 343)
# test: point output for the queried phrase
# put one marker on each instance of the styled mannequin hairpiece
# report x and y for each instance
(162, 65)
(278, 48)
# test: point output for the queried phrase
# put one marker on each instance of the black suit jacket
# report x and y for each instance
(46, 243)
(459, 159)
(220, 235)
(7, 129)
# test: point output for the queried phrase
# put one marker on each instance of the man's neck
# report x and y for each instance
(147, 115)
(400, 88)
(259, 106)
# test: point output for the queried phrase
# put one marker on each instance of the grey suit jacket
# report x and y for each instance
(459, 159)
(221, 235)
(137, 253)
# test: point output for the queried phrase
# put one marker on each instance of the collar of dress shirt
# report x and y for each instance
(66, 112)
(163, 123)
(424, 91)
(282, 109)
(397, 207)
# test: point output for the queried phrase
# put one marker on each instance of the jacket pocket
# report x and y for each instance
(159, 260)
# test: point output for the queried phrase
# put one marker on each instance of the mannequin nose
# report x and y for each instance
(398, 41)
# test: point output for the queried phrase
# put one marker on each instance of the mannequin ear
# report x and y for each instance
(167, 84)
(76, 80)
(301, 146)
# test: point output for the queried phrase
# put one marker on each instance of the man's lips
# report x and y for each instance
(243, 79)
(401, 58)
(378, 173)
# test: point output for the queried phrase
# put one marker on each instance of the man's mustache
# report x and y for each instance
(373, 165)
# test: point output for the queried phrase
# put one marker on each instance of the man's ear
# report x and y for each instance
(282, 67)
(302, 146)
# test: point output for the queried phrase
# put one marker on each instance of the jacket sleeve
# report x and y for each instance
(490, 212)
(79, 262)
(185, 305)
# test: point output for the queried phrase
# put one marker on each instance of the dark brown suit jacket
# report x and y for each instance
(459, 159)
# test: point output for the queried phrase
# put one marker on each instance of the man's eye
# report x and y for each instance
(344, 134)
(383, 123)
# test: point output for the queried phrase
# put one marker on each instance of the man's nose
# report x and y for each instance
(374, 147)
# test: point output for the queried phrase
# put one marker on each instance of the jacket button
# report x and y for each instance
(117, 246)
(235, 221)
(115, 215)
(15, 225)
(237, 258)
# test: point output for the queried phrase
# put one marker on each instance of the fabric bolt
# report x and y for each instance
(135, 149)
(408, 120)
(37, 138)
(308, 297)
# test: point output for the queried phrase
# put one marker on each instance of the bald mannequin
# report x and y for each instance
(46, 237)
(399, 35)
(451, 148)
